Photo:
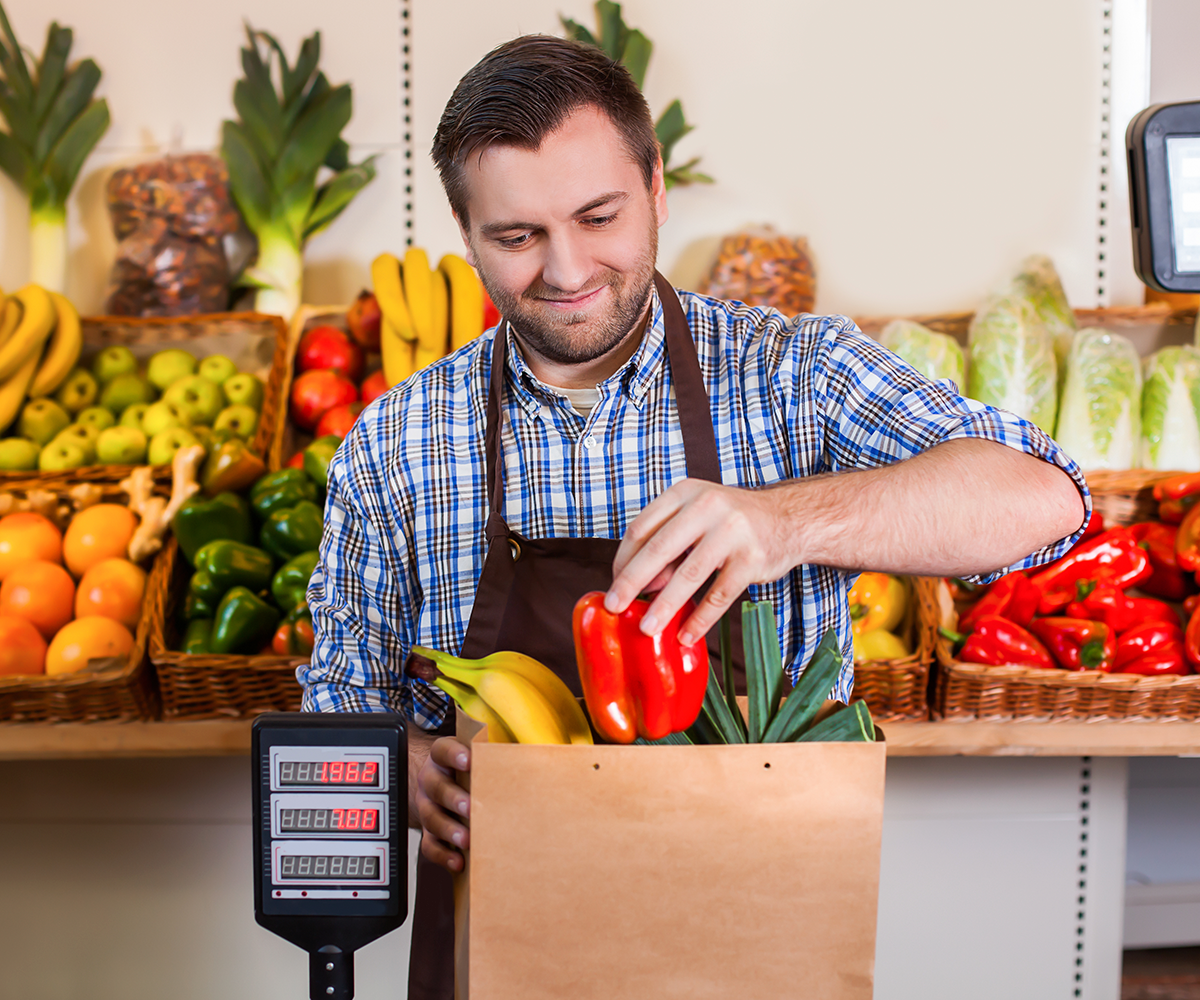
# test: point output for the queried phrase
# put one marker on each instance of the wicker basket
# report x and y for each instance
(258, 343)
(209, 686)
(123, 691)
(897, 690)
(973, 691)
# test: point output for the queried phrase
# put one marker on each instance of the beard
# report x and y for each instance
(579, 337)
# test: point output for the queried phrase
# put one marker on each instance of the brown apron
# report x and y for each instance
(525, 597)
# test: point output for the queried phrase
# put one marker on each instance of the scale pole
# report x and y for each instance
(331, 974)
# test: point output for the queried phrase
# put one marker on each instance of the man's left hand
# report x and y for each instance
(692, 530)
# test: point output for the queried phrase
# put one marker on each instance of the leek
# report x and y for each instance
(283, 139)
(53, 124)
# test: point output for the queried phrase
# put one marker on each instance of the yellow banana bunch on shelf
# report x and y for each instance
(40, 342)
(426, 312)
(519, 699)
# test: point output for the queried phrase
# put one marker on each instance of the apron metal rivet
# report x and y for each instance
(516, 548)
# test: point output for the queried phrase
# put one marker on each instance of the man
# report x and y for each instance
(631, 438)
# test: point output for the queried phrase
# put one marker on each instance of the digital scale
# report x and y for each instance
(330, 835)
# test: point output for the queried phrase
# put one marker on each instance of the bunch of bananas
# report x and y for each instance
(519, 699)
(426, 312)
(40, 341)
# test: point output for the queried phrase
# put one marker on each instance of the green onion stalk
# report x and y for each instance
(54, 123)
(286, 138)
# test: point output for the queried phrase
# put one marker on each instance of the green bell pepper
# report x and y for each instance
(231, 466)
(244, 623)
(195, 606)
(294, 530)
(201, 520)
(198, 636)
(317, 457)
(291, 580)
(224, 564)
(280, 490)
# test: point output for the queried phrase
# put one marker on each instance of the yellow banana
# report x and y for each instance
(466, 300)
(440, 298)
(523, 707)
(14, 389)
(63, 350)
(469, 701)
(418, 293)
(37, 320)
(389, 293)
(565, 705)
(399, 355)
(10, 319)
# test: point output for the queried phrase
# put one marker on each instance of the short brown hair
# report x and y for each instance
(522, 91)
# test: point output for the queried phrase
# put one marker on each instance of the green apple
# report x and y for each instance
(245, 389)
(216, 368)
(113, 361)
(164, 444)
(241, 420)
(42, 419)
(203, 435)
(61, 454)
(201, 398)
(121, 446)
(82, 435)
(19, 454)
(169, 366)
(100, 417)
(132, 415)
(78, 392)
(164, 415)
(126, 390)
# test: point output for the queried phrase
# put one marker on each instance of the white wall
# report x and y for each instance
(923, 148)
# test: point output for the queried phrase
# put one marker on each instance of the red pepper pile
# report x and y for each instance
(1076, 614)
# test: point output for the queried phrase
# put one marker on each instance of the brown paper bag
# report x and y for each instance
(708, 871)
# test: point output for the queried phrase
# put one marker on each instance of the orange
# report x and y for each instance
(40, 592)
(86, 639)
(112, 588)
(22, 648)
(26, 535)
(95, 534)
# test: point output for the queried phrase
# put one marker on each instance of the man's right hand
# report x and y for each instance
(442, 804)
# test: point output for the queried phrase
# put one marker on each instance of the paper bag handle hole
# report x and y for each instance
(768, 764)
(596, 767)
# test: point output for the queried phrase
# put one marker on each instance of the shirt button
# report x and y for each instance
(589, 442)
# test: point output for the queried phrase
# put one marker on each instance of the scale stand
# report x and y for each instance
(330, 836)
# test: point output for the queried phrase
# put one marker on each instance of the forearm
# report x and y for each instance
(964, 507)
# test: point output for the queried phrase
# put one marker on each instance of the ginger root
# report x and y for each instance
(156, 512)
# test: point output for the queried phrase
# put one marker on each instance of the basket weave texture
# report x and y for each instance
(123, 690)
(897, 690)
(968, 691)
(211, 686)
(259, 343)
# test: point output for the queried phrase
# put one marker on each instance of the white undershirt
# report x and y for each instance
(581, 399)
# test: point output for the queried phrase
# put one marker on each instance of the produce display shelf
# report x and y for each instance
(231, 737)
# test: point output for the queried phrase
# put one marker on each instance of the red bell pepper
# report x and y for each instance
(1147, 639)
(1166, 578)
(1111, 557)
(634, 684)
(998, 642)
(1187, 541)
(1119, 612)
(1184, 485)
(1095, 526)
(1191, 640)
(1076, 643)
(1190, 604)
(1013, 596)
(1165, 660)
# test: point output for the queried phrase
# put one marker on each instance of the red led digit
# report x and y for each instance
(323, 774)
(336, 772)
(352, 817)
(337, 818)
(368, 772)
(368, 821)
(352, 772)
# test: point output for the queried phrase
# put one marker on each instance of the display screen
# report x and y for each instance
(1183, 173)
(327, 820)
(324, 773)
(329, 866)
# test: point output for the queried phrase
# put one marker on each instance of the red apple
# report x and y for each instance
(329, 347)
(363, 319)
(314, 392)
(374, 386)
(339, 420)
(491, 315)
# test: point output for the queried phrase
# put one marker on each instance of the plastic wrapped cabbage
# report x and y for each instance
(1100, 414)
(1038, 281)
(1011, 362)
(934, 355)
(1170, 408)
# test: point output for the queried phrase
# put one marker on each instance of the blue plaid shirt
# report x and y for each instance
(791, 397)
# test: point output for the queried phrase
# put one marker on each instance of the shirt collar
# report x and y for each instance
(634, 377)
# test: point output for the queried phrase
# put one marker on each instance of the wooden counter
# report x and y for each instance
(219, 738)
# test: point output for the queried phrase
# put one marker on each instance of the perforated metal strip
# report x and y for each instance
(1085, 793)
(1103, 227)
(406, 77)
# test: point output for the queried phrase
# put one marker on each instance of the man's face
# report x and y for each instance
(565, 237)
